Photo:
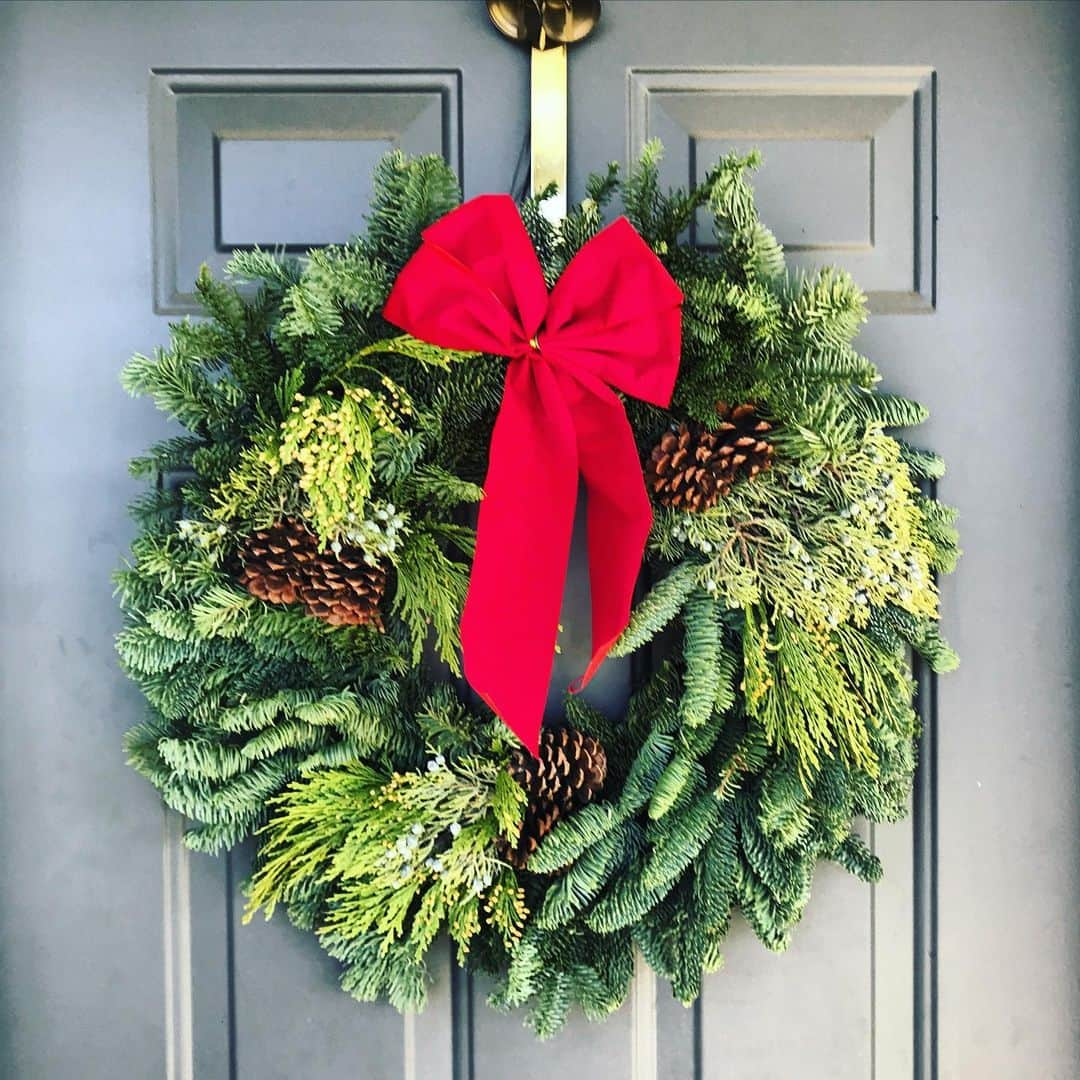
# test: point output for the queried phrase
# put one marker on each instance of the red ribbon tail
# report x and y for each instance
(598, 657)
(619, 514)
(511, 617)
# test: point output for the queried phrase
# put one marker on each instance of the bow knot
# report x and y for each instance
(612, 320)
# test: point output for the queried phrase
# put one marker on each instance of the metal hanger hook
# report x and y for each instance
(544, 24)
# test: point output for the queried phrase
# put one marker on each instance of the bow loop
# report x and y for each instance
(615, 312)
(612, 320)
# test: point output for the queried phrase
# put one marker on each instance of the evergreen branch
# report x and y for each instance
(703, 677)
(657, 609)
(430, 594)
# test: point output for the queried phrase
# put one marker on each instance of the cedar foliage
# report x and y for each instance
(788, 611)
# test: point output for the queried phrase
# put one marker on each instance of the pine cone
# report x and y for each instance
(568, 773)
(693, 467)
(283, 564)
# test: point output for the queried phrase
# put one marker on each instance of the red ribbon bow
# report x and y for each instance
(612, 318)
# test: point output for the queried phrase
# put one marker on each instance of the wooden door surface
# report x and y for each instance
(930, 148)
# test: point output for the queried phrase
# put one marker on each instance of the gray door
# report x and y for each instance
(930, 148)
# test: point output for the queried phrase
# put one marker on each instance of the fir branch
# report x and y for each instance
(660, 606)
(408, 195)
(265, 266)
(704, 676)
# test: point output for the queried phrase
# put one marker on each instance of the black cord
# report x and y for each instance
(520, 188)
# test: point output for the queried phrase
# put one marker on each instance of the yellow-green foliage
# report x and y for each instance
(333, 442)
(806, 555)
(821, 548)
(401, 855)
(422, 352)
(818, 692)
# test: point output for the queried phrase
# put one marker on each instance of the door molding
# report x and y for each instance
(872, 127)
(193, 111)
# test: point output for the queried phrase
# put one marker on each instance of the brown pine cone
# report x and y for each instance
(566, 775)
(283, 565)
(692, 466)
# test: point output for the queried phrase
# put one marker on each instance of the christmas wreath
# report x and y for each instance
(295, 593)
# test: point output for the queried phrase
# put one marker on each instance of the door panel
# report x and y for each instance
(114, 116)
(984, 150)
(930, 148)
